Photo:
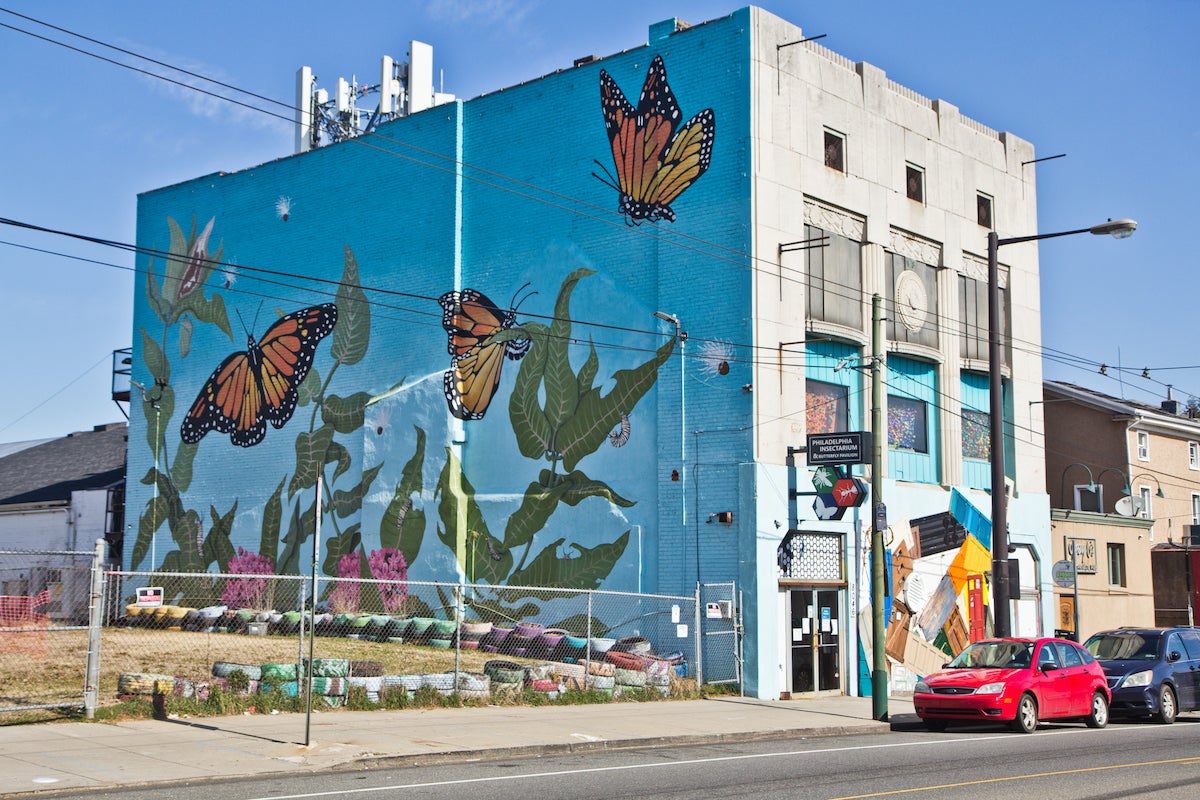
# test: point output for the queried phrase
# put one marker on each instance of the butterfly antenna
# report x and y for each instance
(517, 303)
(608, 179)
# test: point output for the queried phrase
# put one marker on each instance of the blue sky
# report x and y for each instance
(1114, 85)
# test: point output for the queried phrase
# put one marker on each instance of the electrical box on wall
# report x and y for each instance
(721, 609)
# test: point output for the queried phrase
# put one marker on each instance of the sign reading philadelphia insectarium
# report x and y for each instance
(849, 447)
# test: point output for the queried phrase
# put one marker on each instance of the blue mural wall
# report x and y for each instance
(451, 324)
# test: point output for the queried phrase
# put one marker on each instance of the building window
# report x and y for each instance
(973, 325)
(983, 210)
(1147, 511)
(1143, 446)
(977, 434)
(834, 275)
(1088, 498)
(914, 182)
(1196, 509)
(1116, 564)
(835, 150)
(826, 407)
(1194, 455)
(907, 424)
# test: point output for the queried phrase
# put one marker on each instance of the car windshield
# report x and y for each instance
(1125, 646)
(995, 654)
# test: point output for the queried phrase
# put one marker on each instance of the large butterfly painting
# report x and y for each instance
(654, 161)
(472, 321)
(249, 388)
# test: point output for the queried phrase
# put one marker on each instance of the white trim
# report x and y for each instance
(1083, 487)
(1147, 499)
(1193, 455)
(1143, 445)
(1195, 508)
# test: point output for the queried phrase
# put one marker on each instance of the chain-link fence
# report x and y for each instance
(45, 597)
(721, 628)
(246, 632)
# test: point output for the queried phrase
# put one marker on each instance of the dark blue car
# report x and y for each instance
(1152, 672)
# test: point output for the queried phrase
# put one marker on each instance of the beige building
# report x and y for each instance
(1124, 485)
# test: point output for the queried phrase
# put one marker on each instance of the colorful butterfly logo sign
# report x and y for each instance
(654, 162)
(249, 388)
(472, 321)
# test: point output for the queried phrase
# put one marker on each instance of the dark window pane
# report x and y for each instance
(983, 210)
(915, 184)
(835, 151)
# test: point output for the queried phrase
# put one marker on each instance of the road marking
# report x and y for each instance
(985, 781)
(940, 743)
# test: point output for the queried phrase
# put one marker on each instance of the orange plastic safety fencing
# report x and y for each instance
(22, 628)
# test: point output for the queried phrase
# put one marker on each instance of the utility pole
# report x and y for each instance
(879, 677)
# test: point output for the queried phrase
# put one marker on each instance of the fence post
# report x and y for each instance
(460, 613)
(699, 644)
(91, 682)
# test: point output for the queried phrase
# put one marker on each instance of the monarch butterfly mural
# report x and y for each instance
(249, 388)
(471, 321)
(654, 162)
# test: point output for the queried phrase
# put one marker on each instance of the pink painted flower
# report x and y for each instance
(347, 594)
(388, 564)
(247, 592)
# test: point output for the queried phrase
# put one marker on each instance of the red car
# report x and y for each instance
(1017, 681)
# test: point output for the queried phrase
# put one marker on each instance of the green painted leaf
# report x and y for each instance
(268, 545)
(529, 422)
(298, 533)
(309, 388)
(562, 388)
(186, 533)
(580, 487)
(210, 310)
(156, 513)
(311, 449)
(338, 546)
(584, 432)
(155, 360)
(337, 453)
(485, 559)
(403, 527)
(410, 477)
(158, 417)
(158, 304)
(348, 503)
(353, 331)
(176, 259)
(587, 373)
(345, 414)
(185, 337)
(583, 571)
(533, 514)
(218, 549)
(181, 469)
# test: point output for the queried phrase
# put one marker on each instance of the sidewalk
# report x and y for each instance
(71, 755)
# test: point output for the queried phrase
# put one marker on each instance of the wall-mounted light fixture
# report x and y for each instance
(723, 517)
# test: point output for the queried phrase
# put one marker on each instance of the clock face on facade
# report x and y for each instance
(912, 301)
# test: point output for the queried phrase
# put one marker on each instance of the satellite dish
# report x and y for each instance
(1129, 506)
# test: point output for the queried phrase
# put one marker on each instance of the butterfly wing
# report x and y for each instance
(471, 320)
(230, 402)
(686, 159)
(285, 356)
(654, 163)
(260, 384)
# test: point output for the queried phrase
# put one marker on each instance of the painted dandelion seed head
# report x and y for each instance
(229, 274)
(283, 207)
(715, 356)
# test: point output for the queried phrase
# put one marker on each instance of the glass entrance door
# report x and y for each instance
(816, 651)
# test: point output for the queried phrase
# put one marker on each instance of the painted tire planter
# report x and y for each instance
(529, 630)
(624, 660)
(516, 644)
(546, 642)
(279, 673)
(366, 669)
(601, 645)
(630, 677)
(443, 629)
(408, 683)
(471, 682)
(601, 682)
(476, 630)
(329, 667)
(441, 644)
(633, 644)
(142, 682)
(504, 672)
(223, 669)
(418, 629)
(494, 638)
(469, 644)
(545, 685)
(606, 668)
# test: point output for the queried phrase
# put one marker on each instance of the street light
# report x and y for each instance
(1119, 229)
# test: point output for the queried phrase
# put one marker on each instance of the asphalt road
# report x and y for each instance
(1062, 762)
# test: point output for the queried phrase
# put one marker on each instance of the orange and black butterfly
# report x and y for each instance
(472, 321)
(654, 161)
(260, 384)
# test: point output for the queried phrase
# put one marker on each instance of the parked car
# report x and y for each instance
(1152, 672)
(1016, 681)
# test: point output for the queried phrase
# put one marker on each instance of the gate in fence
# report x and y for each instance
(721, 628)
(46, 602)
